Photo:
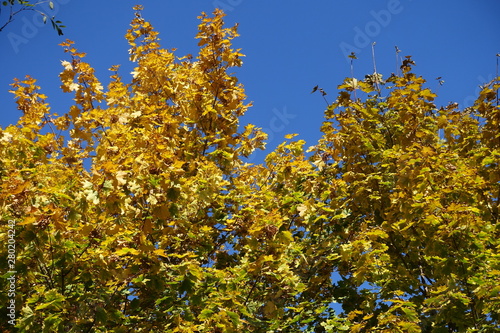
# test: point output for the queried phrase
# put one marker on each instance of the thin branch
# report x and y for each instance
(397, 60)
(12, 14)
(27, 6)
(251, 291)
(375, 73)
(498, 56)
(353, 57)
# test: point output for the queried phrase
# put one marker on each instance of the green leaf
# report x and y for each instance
(100, 314)
(187, 284)
(488, 160)
(205, 314)
(234, 317)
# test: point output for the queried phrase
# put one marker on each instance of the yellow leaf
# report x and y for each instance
(120, 177)
(28, 220)
(270, 309)
(126, 250)
(160, 253)
(428, 151)
(178, 165)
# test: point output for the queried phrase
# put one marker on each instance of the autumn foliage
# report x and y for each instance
(136, 211)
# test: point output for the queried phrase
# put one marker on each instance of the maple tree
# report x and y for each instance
(136, 211)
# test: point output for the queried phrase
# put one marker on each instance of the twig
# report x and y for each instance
(11, 16)
(375, 68)
(353, 57)
(498, 56)
(397, 60)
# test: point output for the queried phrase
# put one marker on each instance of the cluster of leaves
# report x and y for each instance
(136, 211)
(18, 6)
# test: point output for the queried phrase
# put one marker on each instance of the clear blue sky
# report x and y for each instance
(290, 47)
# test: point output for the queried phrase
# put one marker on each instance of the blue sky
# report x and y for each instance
(290, 46)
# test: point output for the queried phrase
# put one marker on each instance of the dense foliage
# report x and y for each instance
(136, 212)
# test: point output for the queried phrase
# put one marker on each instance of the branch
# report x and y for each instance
(27, 6)
(11, 16)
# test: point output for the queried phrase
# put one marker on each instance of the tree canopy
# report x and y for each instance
(135, 211)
